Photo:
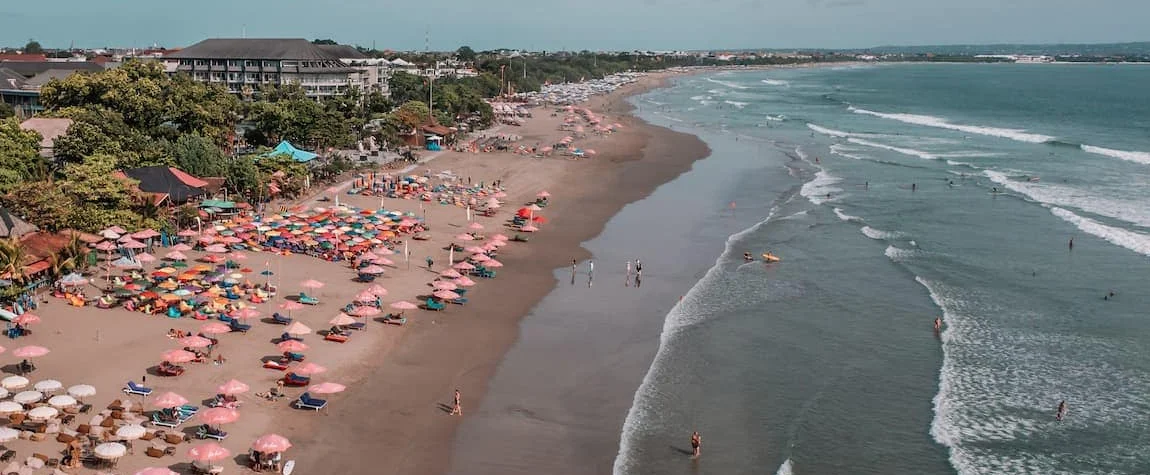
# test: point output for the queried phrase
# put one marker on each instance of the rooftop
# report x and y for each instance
(13, 226)
(48, 129)
(32, 68)
(256, 48)
(343, 51)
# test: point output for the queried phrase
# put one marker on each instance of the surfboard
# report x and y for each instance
(289, 467)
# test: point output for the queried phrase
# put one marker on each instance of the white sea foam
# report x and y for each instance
(776, 118)
(776, 82)
(905, 151)
(736, 104)
(838, 133)
(842, 151)
(898, 254)
(1020, 135)
(1131, 240)
(878, 234)
(698, 98)
(727, 83)
(846, 217)
(787, 468)
(1130, 156)
(1131, 211)
(817, 189)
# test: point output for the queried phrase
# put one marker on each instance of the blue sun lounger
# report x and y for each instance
(133, 388)
(305, 401)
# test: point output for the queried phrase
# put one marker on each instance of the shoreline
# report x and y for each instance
(463, 347)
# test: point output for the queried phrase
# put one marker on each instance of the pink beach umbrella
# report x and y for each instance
(293, 346)
(297, 328)
(327, 388)
(311, 284)
(115, 229)
(106, 246)
(177, 356)
(493, 263)
(369, 256)
(245, 313)
(176, 256)
(209, 452)
(444, 285)
(308, 369)
(446, 294)
(373, 269)
(377, 290)
(291, 305)
(30, 351)
(195, 341)
(146, 234)
(133, 244)
(181, 247)
(169, 400)
(383, 261)
(404, 305)
(239, 256)
(364, 311)
(214, 328)
(543, 194)
(480, 257)
(464, 282)
(271, 444)
(26, 319)
(463, 266)
(493, 203)
(145, 257)
(475, 249)
(366, 297)
(530, 228)
(216, 248)
(450, 274)
(465, 237)
(155, 471)
(219, 415)
(475, 226)
(383, 251)
(234, 386)
(500, 237)
(344, 319)
(500, 194)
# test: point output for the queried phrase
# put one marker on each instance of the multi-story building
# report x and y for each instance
(244, 65)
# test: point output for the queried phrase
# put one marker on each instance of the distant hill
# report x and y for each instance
(1101, 49)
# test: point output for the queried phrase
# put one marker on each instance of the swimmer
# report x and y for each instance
(1061, 410)
(914, 187)
(937, 324)
(747, 257)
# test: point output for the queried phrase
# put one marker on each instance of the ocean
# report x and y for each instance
(894, 194)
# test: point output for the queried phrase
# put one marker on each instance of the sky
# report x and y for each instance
(576, 24)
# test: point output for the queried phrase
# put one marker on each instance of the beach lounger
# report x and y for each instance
(207, 432)
(287, 336)
(431, 304)
(188, 410)
(395, 321)
(133, 388)
(357, 326)
(280, 319)
(292, 379)
(305, 401)
(276, 365)
(366, 278)
(292, 356)
(236, 326)
(306, 300)
(336, 338)
(168, 369)
(161, 422)
(459, 301)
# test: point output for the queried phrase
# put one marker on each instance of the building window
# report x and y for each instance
(235, 63)
(217, 77)
(200, 62)
(201, 76)
(253, 77)
(217, 62)
(251, 64)
(270, 64)
(233, 77)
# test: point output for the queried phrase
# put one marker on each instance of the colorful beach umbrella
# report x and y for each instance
(271, 443)
(292, 346)
(219, 415)
(169, 400)
(208, 452)
(327, 388)
(177, 356)
(308, 369)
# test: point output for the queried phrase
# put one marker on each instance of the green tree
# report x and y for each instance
(412, 114)
(12, 255)
(244, 178)
(318, 41)
(43, 203)
(103, 131)
(406, 87)
(19, 155)
(6, 111)
(198, 156)
(33, 47)
(465, 53)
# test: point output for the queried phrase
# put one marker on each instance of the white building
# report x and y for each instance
(243, 65)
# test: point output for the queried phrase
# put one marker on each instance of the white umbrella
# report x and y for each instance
(62, 401)
(110, 450)
(81, 391)
(43, 413)
(131, 432)
(14, 382)
(3, 393)
(48, 386)
(28, 397)
(10, 407)
(8, 434)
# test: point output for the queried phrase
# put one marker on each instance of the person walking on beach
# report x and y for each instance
(638, 268)
(1061, 410)
(937, 324)
(430, 262)
(590, 267)
(696, 444)
(457, 407)
(572, 266)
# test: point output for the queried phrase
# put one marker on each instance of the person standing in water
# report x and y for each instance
(572, 266)
(937, 324)
(1061, 410)
(696, 444)
(457, 406)
(914, 187)
(638, 267)
(1071, 244)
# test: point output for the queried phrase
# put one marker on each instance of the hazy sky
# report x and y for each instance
(577, 24)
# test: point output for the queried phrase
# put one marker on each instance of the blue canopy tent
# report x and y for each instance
(286, 148)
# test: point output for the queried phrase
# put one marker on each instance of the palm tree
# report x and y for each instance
(60, 264)
(12, 256)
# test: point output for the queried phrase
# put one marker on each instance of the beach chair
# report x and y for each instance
(366, 278)
(157, 420)
(432, 305)
(459, 301)
(188, 410)
(207, 432)
(236, 326)
(280, 319)
(395, 320)
(306, 300)
(276, 365)
(292, 379)
(168, 369)
(336, 338)
(225, 318)
(305, 401)
(287, 336)
(292, 356)
(357, 326)
(133, 388)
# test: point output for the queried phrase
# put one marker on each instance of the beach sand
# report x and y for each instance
(393, 417)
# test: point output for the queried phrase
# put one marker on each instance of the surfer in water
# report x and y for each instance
(1061, 410)
(697, 443)
(747, 257)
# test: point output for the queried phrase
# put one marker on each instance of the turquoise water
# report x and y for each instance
(901, 193)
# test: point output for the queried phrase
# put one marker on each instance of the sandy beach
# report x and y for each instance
(393, 417)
